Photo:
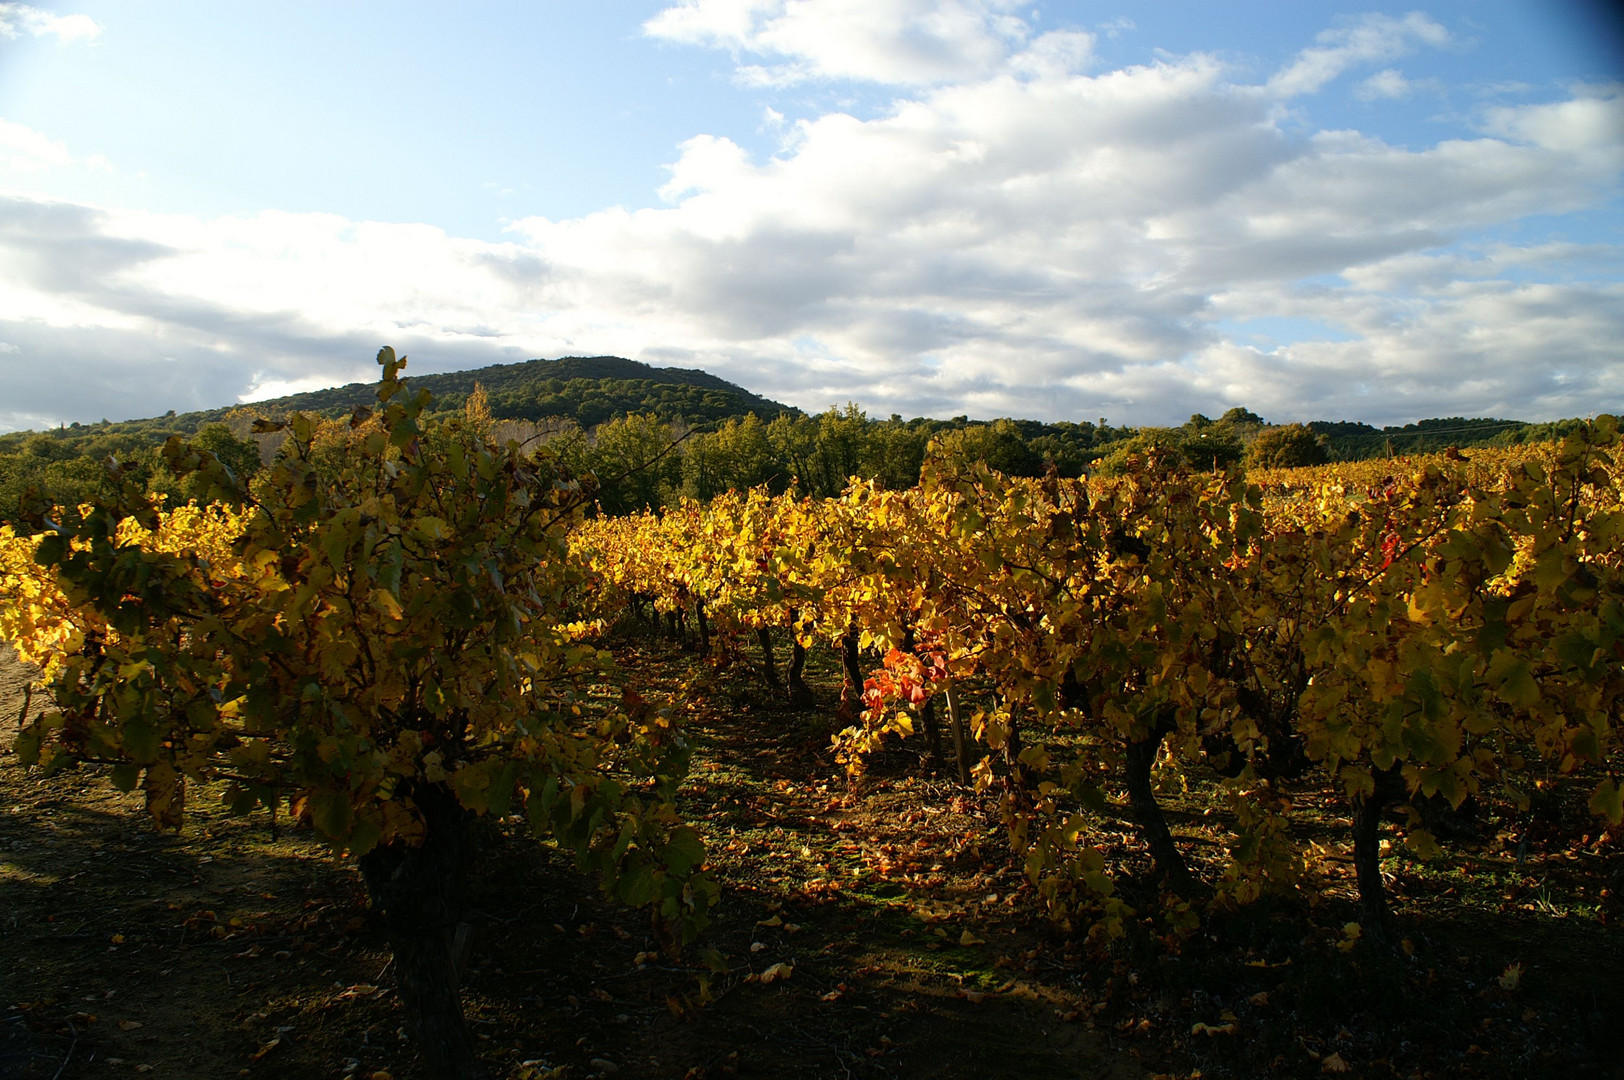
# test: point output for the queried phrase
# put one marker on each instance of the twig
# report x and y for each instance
(74, 1045)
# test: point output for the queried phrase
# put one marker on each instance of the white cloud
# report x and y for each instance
(917, 42)
(24, 150)
(27, 154)
(1032, 241)
(1591, 122)
(1387, 83)
(19, 19)
(1367, 39)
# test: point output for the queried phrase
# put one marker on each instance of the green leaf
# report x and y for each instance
(331, 813)
(1517, 685)
(684, 850)
(636, 886)
(50, 550)
(1608, 801)
(1422, 843)
(27, 746)
(363, 837)
(140, 738)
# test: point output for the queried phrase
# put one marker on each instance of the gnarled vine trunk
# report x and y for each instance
(769, 663)
(800, 694)
(1367, 854)
(851, 696)
(703, 623)
(418, 892)
(1140, 759)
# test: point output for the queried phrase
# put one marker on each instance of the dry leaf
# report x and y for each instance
(129, 1025)
(777, 971)
(776, 920)
(1210, 1030)
(1333, 1063)
(1511, 976)
(967, 939)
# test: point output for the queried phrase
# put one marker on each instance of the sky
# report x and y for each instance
(1059, 210)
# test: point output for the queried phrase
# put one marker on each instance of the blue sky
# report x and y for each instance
(992, 207)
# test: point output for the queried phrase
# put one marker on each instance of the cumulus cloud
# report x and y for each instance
(1033, 240)
(17, 20)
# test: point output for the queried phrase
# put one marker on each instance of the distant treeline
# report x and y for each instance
(619, 419)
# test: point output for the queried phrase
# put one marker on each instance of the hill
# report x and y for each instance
(588, 390)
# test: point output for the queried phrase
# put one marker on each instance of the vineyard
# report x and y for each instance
(1172, 773)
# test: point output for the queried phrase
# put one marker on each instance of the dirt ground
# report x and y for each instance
(912, 947)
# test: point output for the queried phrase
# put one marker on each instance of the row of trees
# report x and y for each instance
(634, 457)
(644, 462)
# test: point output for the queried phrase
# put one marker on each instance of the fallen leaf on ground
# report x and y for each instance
(1210, 1030)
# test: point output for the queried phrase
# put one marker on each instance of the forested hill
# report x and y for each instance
(1348, 441)
(588, 390)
